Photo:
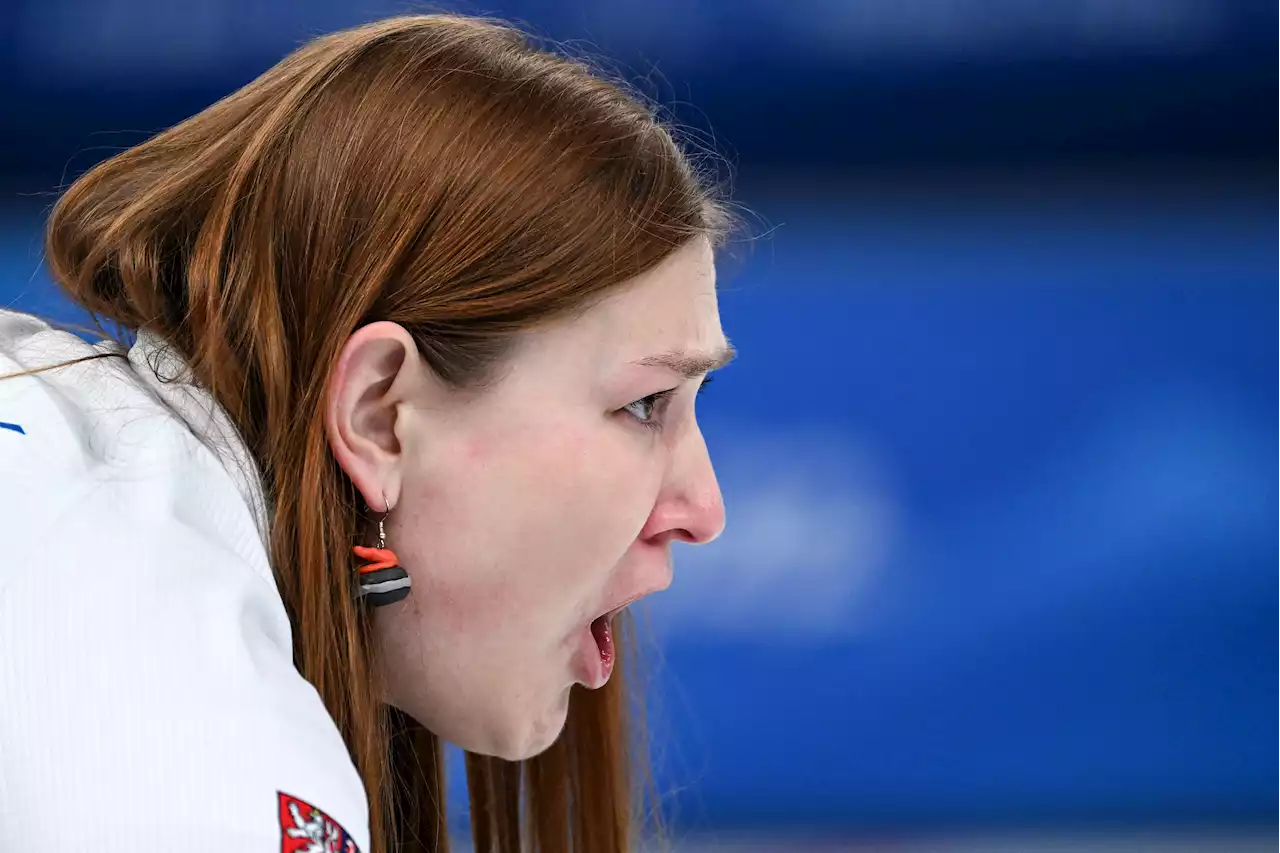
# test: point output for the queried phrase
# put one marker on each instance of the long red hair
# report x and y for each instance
(444, 173)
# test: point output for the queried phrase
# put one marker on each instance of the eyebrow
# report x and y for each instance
(690, 365)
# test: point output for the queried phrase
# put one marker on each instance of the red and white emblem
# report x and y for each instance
(306, 829)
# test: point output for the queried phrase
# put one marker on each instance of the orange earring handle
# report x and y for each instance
(378, 558)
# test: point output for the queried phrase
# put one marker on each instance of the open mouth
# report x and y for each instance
(606, 654)
(600, 652)
(602, 631)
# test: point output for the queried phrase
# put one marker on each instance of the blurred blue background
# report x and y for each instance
(1000, 449)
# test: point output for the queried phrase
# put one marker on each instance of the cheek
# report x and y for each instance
(522, 529)
(575, 500)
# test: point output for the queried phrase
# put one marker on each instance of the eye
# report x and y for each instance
(646, 410)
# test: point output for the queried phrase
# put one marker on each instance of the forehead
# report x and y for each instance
(672, 306)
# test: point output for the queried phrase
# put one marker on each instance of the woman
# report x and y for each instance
(421, 317)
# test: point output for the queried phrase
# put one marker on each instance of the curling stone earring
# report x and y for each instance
(382, 581)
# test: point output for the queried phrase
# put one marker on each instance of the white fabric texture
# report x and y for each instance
(148, 698)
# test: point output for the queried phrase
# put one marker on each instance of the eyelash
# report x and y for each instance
(656, 401)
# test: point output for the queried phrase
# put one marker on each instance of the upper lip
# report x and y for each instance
(613, 611)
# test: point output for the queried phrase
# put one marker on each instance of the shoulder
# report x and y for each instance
(144, 637)
(79, 409)
(92, 425)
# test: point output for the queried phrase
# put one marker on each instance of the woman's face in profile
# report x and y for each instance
(528, 512)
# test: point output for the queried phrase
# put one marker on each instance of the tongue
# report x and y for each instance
(604, 639)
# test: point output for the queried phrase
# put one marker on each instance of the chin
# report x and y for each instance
(527, 737)
(511, 738)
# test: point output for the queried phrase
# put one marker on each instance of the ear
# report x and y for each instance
(379, 372)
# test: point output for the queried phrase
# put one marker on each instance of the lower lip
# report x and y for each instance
(597, 653)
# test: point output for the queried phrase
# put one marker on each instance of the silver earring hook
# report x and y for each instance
(382, 530)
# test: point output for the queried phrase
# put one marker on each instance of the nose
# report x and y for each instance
(690, 507)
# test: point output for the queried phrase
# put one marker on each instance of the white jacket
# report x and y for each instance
(148, 698)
